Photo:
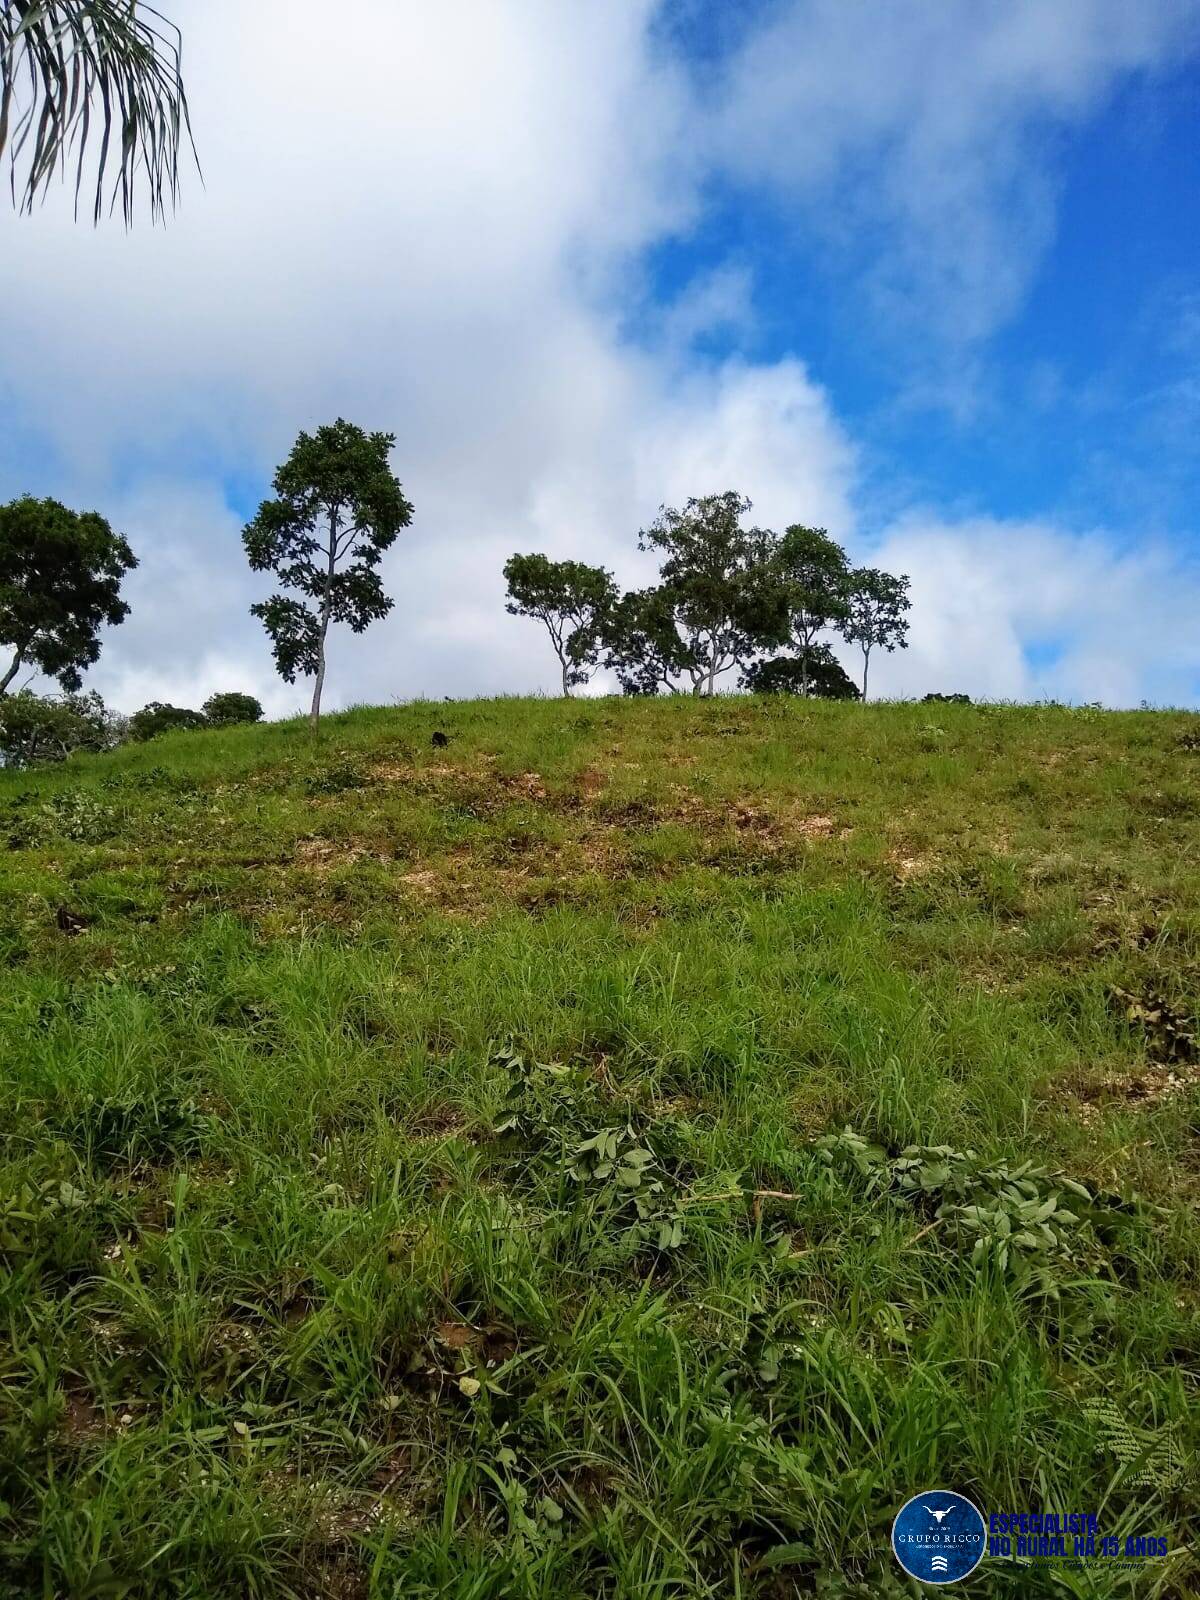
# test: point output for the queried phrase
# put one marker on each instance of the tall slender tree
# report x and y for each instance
(876, 603)
(338, 507)
(92, 75)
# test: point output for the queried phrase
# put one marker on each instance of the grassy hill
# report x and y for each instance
(424, 1169)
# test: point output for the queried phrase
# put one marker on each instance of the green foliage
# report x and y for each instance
(644, 645)
(876, 613)
(75, 814)
(224, 710)
(1022, 1219)
(718, 584)
(814, 577)
(132, 1127)
(337, 778)
(60, 583)
(338, 508)
(572, 601)
(607, 1147)
(160, 717)
(36, 730)
(820, 674)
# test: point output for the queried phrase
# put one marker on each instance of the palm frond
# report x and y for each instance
(76, 71)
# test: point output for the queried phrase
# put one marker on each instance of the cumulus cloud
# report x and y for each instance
(430, 219)
(921, 138)
(1025, 610)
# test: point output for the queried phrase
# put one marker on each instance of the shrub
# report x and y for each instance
(38, 729)
(159, 717)
(223, 710)
(785, 675)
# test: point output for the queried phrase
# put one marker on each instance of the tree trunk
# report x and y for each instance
(314, 715)
(11, 673)
(804, 670)
(566, 677)
(866, 664)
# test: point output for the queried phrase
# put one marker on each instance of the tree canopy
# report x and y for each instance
(60, 583)
(39, 729)
(571, 600)
(224, 710)
(877, 604)
(717, 582)
(159, 716)
(338, 507)
(820, 675)
(814, 576)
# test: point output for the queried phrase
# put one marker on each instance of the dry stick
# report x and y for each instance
(936, 1223)
(740, 1194)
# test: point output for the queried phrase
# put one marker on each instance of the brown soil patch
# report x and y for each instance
(589, 783)
(324, 855)
(908, 867)
(425, 882)
(82, 1420)
(1148, 1084)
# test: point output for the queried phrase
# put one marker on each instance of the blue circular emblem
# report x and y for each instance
(939, 1537)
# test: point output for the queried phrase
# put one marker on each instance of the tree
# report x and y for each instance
(717, 580)
(224, 710)
(160, 716)
(338, 507)
(876, 603)
(60, 582)
(814, 575)
(76, 70)
(819, 674)
(572, 601)
(644, 645)
(38, 729)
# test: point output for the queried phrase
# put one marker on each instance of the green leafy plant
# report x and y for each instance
(1025, 1220)
(610, 1152)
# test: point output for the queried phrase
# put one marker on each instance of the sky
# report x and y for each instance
(925, 273)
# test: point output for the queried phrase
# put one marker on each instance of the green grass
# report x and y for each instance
(317, 1278)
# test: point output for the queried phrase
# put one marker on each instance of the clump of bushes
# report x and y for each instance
(224, 710)
(162, 717)
(36, 730)
(218, 711)
(825, 678)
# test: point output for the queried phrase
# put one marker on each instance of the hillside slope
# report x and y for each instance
(424, 1168)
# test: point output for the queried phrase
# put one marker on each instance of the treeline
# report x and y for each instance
(728, 597)
(38, 729)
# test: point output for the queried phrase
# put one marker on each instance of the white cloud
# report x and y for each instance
(922, 138)
(992, 598)
(428, 219)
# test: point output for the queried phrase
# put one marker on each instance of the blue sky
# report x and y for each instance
(927, 274)
(1081, 400)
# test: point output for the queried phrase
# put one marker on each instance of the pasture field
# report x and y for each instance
(626, 1151)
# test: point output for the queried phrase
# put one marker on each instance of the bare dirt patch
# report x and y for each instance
(326, 853)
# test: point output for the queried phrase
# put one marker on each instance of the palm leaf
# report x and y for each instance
(72, 68)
